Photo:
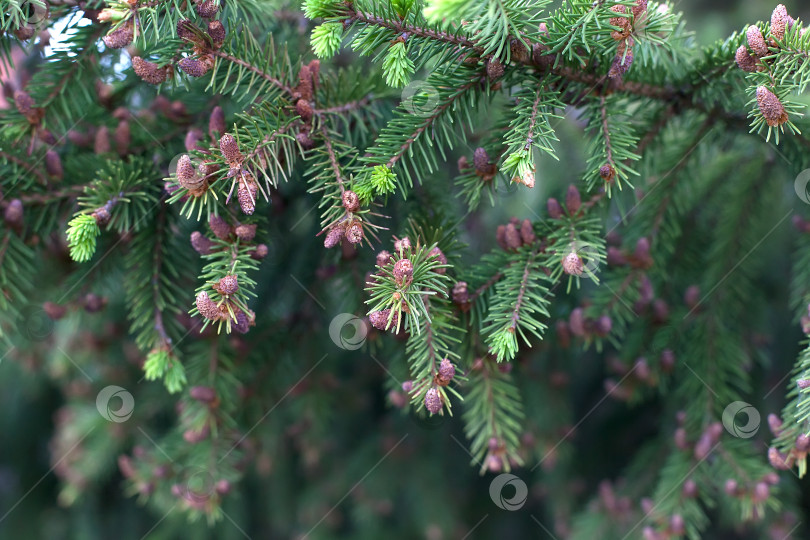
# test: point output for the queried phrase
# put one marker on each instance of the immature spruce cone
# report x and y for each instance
(230, 150)
(228, 284)
(677, 525)
(778, 460)
(201, 243)
(216, 123)
(46, 136)
(461, 294)
(193, 136)
(573, 201)
(54, 311)
(120, 37)
(207, 9)
(53, 164)
(333, 237)
(13, 214)
(604, 325)
(761, 493)
(440, 258)
(101, 215)
(463, 164)
(527, 232)
(204, 394)
(756, 41)
(572, 264)
(24, 102)
(217, 33)
(667, 360)
(207, 307)
(624, 24)
(639, 8)
(481, 160)
(615, 257)
(102, 140)
(122, 137)
(208, 169)
(379, 319)
(527, 178)
(246, 193)
(446, 372)
(304, 87)
(402, 245)
(779, 22)
(148, 71)
(512, 237)
(186, 30)
(305, 140)
(540, 57)
(745, 61)
(383, 258)
(403, 272)
(354, 233)
(494, 69)
(771, 108)
(260, 252)
(621, 64)
(433, 401)
(25, 32)
(246, 233)
(642, 252)
(304, 110)
(193, 436)
(554, 208)
(500, 237)
(121, 113)
(242, 322)
(93, 303)
(350, 200)
(219, 226)
(518, 51)
(187, 175)
(193, 66)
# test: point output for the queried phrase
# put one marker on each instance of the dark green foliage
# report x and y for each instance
(588, 280)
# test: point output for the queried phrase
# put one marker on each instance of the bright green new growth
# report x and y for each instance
(82, 233)
(430, 109)
(397, 66)
(160, 364)
(326, 39)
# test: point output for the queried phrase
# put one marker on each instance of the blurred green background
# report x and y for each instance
(29, 491)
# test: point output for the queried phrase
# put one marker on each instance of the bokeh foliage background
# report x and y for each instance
(427, 490)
